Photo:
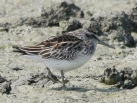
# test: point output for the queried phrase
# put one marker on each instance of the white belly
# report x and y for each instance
(65, 65)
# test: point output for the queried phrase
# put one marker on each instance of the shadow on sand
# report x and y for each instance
(82, 89)
(77, 89)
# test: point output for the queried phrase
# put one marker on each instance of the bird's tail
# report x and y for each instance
(18, 50)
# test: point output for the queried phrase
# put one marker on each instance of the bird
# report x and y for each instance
(65, 52)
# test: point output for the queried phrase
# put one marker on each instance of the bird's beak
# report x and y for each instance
(105, 44)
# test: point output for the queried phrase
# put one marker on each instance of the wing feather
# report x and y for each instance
(59, 47)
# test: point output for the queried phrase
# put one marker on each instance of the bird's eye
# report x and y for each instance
(91, 35)
(88, 35)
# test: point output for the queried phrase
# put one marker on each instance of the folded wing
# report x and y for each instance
(60, 47)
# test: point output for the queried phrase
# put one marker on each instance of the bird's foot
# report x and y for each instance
(64, 87)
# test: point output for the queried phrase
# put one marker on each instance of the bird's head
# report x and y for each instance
(94, 38)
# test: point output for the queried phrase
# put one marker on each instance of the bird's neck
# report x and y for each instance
(89, 47)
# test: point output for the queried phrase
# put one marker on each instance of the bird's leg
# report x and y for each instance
(63, 81)
(51, 76)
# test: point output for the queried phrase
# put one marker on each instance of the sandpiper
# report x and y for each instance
(65, 52)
